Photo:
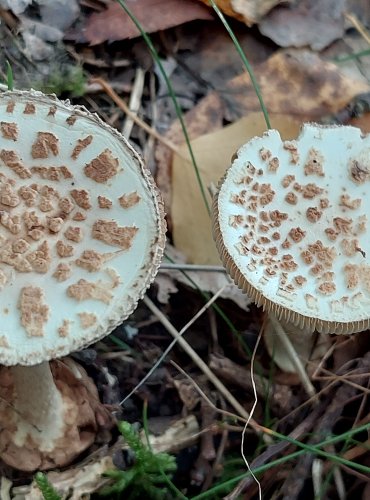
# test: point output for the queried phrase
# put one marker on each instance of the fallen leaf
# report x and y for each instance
(16, 6)
(349, 348)
(305, 23)
(59, 13)
(202, 119)
(214, 60)
(192, 232)
(362, 122)
(248, 11)
(187, 393)
(179, 435)
(293, 82)
(154, 15)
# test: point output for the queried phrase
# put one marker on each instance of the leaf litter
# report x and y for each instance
(188, 416)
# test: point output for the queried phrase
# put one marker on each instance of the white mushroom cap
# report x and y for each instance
(291, 226)
(82, 228)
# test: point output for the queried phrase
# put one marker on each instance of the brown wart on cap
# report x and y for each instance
(82, 234)
(312, 268)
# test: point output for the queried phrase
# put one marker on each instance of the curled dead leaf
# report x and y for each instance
(154, 15)
(192, 232)
(248, 11)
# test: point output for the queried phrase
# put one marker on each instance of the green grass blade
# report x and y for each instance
(312, 449)
(351, 57)
(246, 63)
(155, 56)
(206, 297)
(187, 139)
(9, 76)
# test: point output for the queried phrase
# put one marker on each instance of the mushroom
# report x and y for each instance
(291, 226)
(82, 233)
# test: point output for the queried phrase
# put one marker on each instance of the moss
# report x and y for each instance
(64, 79)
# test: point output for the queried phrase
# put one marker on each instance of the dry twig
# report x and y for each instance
(123, 106)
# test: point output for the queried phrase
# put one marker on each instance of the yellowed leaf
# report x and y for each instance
(205, 118)
(191, 224)
(248, 11)
(293, 82)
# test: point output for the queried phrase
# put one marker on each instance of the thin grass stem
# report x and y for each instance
(246, 63)
(9, 76)
(171, 92)
(259, 470)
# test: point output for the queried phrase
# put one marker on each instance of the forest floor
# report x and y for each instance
(309, 433)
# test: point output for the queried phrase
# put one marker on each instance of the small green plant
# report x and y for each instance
(146, 477)
(47, 489)
(9, 76)
(64, 79)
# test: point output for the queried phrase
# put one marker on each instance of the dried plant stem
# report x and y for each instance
(339, 481)
(294, 358)
(172, 344)
(225, 413)
(135, 101)
(317, 479)
(250, 417)
(123, 106)
(191, 267)
(199, 362)
(359, 26)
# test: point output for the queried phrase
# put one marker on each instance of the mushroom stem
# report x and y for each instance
(38, 404)
(281, 330)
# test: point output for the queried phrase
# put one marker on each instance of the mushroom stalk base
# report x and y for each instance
(47, 414)
(39, 406)
(282, 330)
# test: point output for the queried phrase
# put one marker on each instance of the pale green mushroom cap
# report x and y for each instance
(291, 223)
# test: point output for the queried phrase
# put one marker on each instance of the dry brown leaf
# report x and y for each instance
(154, 15)
(192, 232)
(248, 11)
(187, 393)
(305, 23)
(362, 122)
(201, 120)
(294, 82)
